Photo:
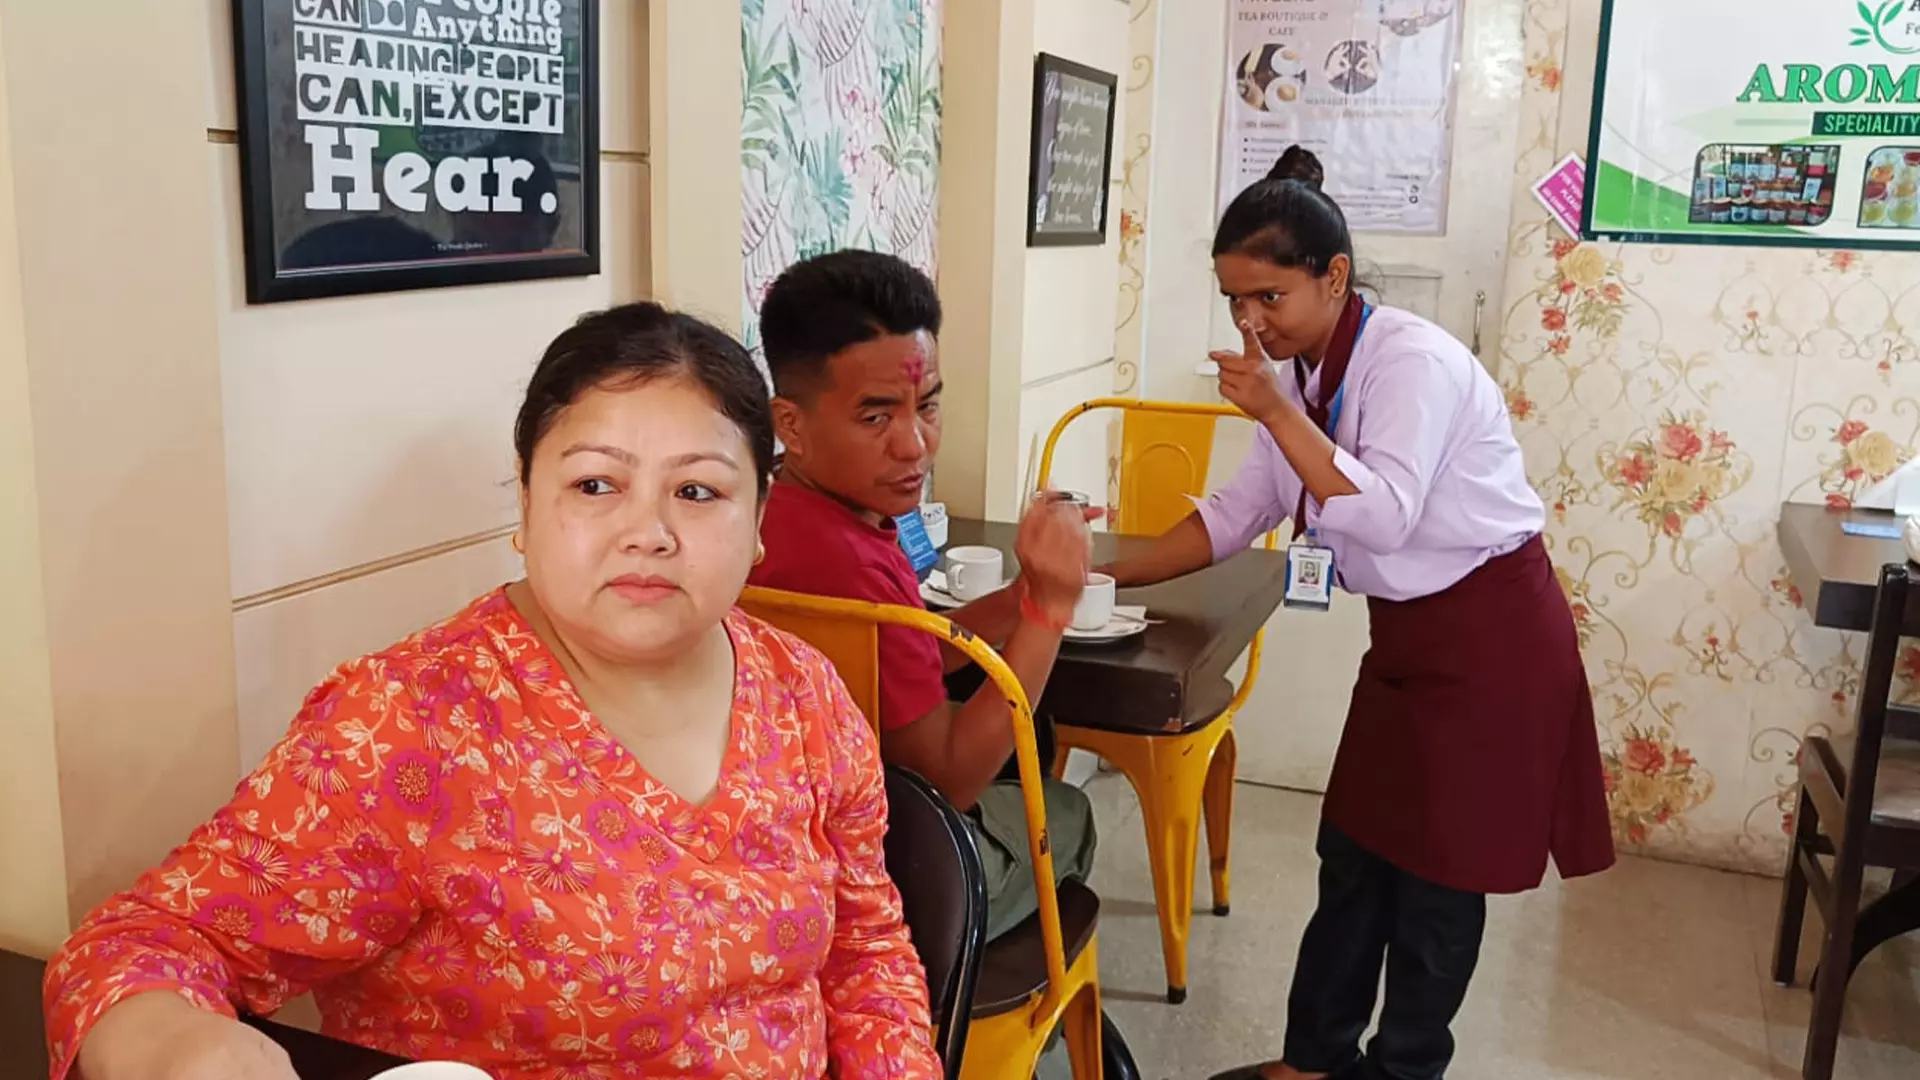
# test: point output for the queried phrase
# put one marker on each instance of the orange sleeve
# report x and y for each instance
(303, 877)
(878, 1020)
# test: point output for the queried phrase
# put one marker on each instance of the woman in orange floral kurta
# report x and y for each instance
(463, 862)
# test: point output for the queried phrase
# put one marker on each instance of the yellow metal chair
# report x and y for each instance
(1044, 973)
(1183, 777)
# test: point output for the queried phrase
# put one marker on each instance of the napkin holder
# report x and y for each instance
(934, 517)
(1898, 493)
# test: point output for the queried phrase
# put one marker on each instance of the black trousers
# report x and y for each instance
(1372, 912)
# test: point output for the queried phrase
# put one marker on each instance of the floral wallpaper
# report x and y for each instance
(1669, 399)
(1134, 169)
(840, 139)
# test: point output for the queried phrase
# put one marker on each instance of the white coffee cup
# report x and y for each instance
(1095, 609)
(974, 572)
(434, 1070)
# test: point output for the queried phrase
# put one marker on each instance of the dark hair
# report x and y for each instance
(638, 343)
(1286, 219)
(836, 301)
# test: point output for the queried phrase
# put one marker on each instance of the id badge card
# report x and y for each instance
(1309, 576)
(914, 540)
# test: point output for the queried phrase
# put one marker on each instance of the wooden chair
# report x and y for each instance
(1185, 775)
(1859, 805)
(1045, 972)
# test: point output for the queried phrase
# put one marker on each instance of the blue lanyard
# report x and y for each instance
(1333, 410)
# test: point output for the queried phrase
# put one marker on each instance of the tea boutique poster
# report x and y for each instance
(1367, 85)
(1797, 126)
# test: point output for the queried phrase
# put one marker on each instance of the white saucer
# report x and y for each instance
(1120, 627)
(937, 599)
(933, 592)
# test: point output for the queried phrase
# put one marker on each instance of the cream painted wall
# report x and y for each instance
(365, 427)
(366, 443)
(281, 649)
(1073, 293)
(694, 101)
(116, 282)
(33, 902)
(1180, 294)
(1030, 331)
(988, 95)
(369, 453)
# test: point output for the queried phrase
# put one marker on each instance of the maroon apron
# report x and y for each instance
(1470, 752)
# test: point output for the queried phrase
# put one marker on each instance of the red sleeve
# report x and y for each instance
(878, 1020)
(913, 680)
(289, 885)
(912, 670)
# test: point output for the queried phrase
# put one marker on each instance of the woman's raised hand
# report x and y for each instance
(1249, 379)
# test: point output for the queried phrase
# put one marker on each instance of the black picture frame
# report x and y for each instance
(1039, 168)
(267, 283)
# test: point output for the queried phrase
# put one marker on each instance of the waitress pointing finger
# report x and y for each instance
(1470, 753)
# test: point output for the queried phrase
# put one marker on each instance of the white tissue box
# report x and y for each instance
(1906, 493)
(934, 517)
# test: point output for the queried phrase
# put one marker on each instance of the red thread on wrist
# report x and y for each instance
(1032, 612)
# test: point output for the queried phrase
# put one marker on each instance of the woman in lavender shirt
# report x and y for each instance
(1470, 753)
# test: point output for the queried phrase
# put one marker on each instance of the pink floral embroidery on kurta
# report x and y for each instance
(462, 863)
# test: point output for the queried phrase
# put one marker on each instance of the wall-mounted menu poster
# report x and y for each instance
(411, 144)
(1367, 85)
(1071, 159)
(1797, 126)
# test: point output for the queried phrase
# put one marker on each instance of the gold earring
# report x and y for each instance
(759, 554)
(519, 542)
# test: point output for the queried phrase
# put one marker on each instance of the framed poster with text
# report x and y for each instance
(1795, 124)
(1070, 161)
(1367, 85)
(415, 144)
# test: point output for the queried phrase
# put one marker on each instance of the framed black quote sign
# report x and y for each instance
(1072, 154)
(415, 144)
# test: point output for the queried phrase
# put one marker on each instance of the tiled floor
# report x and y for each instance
(1648, 971)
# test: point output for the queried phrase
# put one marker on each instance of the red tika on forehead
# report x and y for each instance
(914, 368)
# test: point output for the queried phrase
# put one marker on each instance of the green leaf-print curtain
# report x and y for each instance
(840, 133)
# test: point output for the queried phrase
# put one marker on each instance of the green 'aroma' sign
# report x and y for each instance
(1800, 126)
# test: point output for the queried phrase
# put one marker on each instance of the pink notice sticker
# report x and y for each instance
(1562, 191)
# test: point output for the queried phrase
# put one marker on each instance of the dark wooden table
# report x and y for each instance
(1174, 676)
(23, 1034)
(1837, 575)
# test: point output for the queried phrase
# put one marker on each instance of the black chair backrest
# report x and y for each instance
(935, 865)
(1890, 603)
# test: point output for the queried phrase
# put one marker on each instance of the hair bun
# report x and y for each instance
(1299, 163)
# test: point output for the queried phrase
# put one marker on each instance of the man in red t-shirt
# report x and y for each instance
(850, 343)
